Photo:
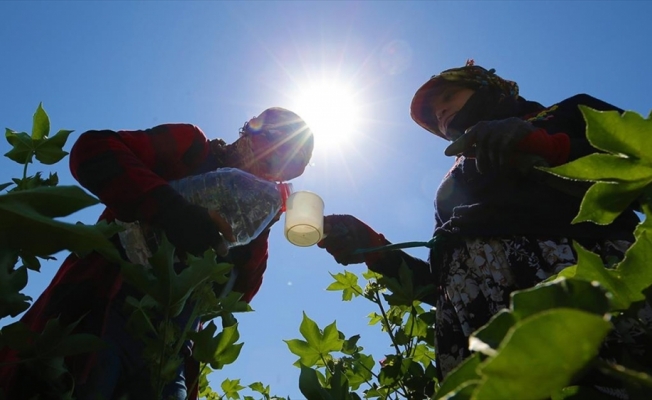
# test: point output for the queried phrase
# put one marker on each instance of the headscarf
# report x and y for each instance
(471, 76)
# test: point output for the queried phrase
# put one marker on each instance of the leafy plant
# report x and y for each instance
(550, 335)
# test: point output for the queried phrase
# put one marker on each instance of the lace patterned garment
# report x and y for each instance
(478, 276)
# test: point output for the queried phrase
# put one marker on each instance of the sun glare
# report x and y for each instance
(331, 112)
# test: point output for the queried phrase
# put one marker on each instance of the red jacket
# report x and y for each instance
(128, 171)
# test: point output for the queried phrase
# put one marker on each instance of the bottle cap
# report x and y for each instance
(286, 190)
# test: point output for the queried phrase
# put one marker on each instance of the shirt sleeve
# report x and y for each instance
(129, 170)
(566, 117)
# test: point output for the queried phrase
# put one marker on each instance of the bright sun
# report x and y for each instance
(330, 111)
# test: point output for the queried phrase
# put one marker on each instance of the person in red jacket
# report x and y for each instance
(504, 228)
(129, 172)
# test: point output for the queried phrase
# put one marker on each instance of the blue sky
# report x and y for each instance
(133, 65)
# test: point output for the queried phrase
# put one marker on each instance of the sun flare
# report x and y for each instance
(330, 110)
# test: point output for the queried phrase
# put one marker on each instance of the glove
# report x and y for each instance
(344, 234)
(194, 229)
(491, 143)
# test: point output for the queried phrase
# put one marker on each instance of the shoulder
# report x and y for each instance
(179, 128)
(587, 100)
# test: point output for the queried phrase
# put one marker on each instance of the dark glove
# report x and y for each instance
(493, 144)
(345, 234)
(190, 228)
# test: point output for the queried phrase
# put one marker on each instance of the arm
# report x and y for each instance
(344, 234)
(128, 170)
(556, 134)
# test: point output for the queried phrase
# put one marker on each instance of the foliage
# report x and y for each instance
(29, 232)
(163, 319)
(537, 348)
(551, 334)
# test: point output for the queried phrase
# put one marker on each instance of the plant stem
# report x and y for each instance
(389, 328)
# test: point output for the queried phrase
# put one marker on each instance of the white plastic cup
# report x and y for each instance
(304, 218)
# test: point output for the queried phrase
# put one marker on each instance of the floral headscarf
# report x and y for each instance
(471, 76)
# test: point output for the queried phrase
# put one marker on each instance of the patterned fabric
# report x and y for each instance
(478, 275)
(128, 171)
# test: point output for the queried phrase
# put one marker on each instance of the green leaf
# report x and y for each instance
(463, 373)
(560, 293)
(309, 385)
(402, 290)
(50, 151)
(318, 344)
(629, 134)
(350, 345)
(170, 289)
(231, 388)
(308, 356)
(23, 146)
(604, 202)
(369, 275)
(26, 219)
(41, 123)
(260, 388)
(360, 370)
(628, 279)
(347, 282)
(12, 281)
(605, 168)
(539, 346)
(219, 350)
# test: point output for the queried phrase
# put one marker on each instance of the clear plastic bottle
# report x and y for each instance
(247, 203)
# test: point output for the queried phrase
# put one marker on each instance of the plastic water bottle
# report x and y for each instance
(247, 202)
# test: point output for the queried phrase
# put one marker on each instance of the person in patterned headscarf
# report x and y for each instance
(129, 171)
(505, 229)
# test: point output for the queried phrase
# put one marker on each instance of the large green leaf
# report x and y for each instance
(51, 202)
(629, 134)
(26, 223)
(169, 288)
(309, 385)
(543, 345)
(627, 280)
(219, 350)
(461, 376)
(560, 293)
(55, 340)
(318, 344)
(605, 167)
(623, 174)
(604, 201)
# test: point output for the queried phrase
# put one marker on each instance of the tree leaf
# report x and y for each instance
(216, 351)
(41, 123)
(539, 346)
(605, 168)
(309, 385)
(629, 134)
(627, 280)
(50, 151)
(23, 146)
(604, 202)
(347, 282)
(12, 281)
